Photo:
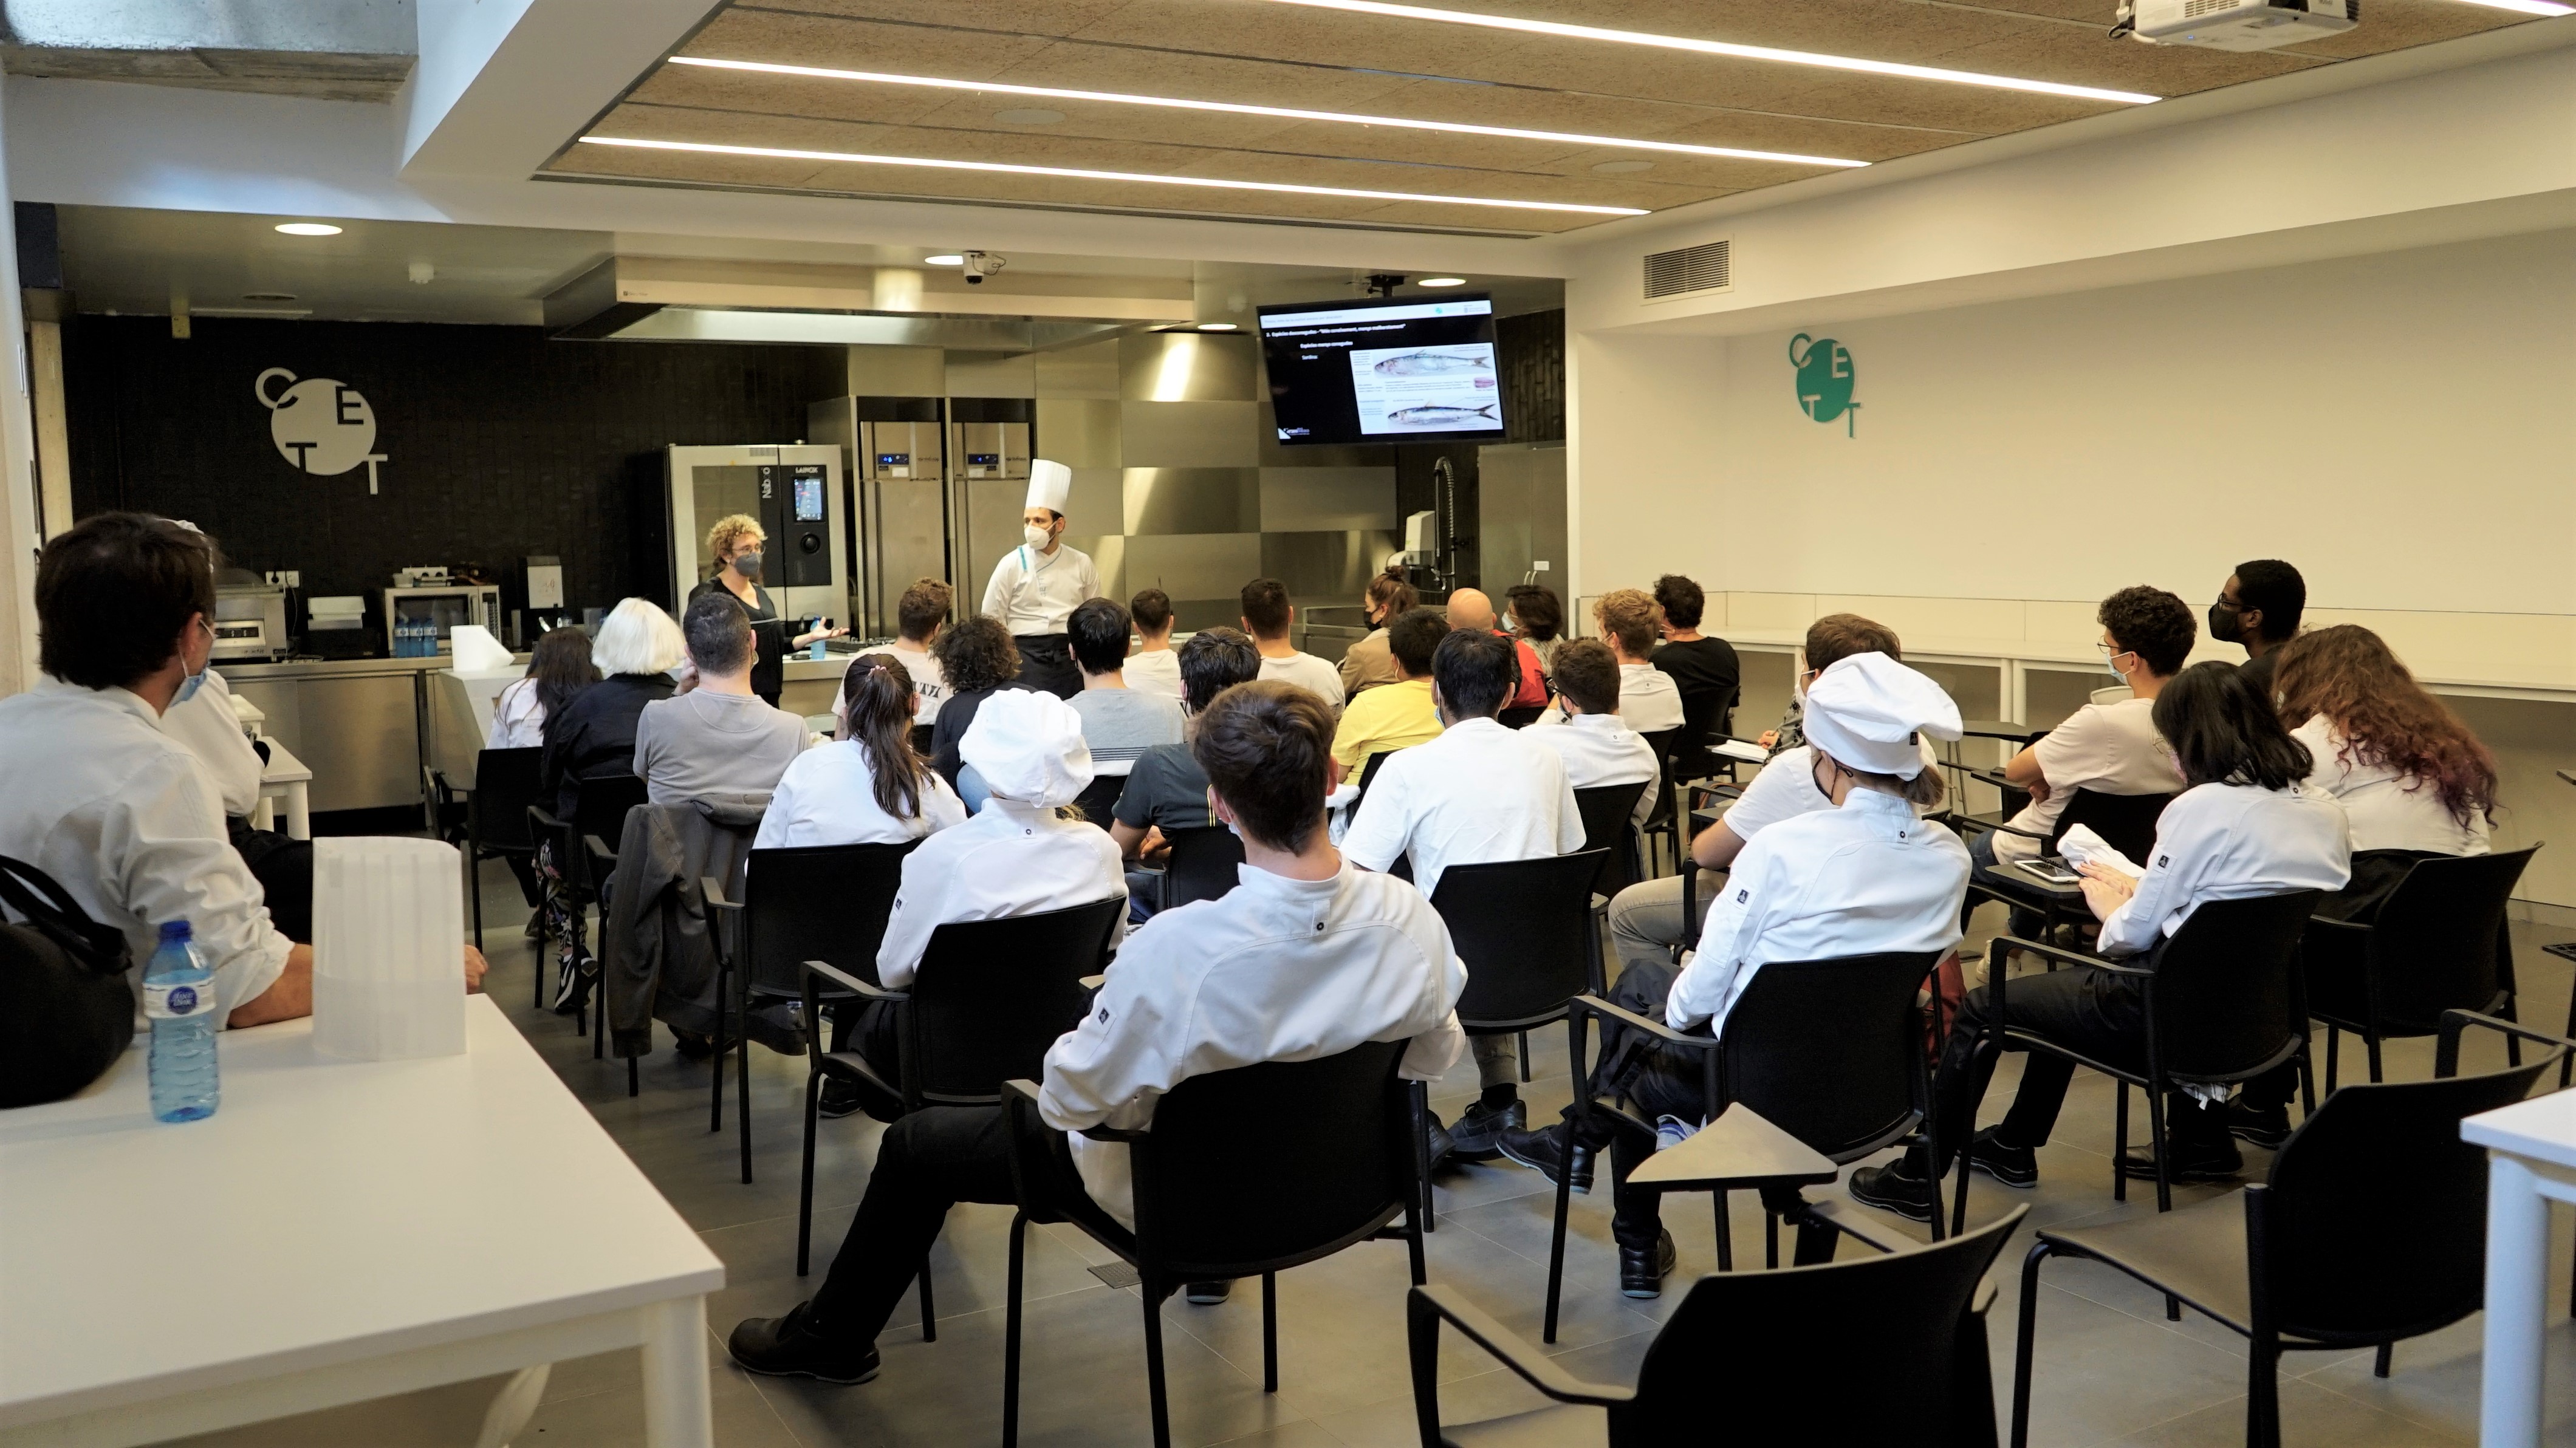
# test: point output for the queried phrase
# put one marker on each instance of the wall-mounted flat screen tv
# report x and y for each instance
(1394, 370)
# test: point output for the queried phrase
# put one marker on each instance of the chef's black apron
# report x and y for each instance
(769, 637)
(1046, 662)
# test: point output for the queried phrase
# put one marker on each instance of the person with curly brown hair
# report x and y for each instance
(977, 657)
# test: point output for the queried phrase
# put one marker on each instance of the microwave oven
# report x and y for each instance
(419, 621)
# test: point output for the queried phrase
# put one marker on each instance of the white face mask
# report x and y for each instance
(1036, 536)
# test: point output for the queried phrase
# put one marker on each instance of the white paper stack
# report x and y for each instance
(476, 651)
(388, 949)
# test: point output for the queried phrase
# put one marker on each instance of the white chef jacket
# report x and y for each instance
(2107, 748)
(1275, 970)
(828, 797)
(2231, 842)
(1309, 673)
(2387, 810)
(1475, 794)
(95, 794)
(1601, 749)
(1648, 699)
(1785, 789)
(213, 733)
(1863, 878)
(1159, 672)
(518, 717)
(1010, 859)
(1034, 593)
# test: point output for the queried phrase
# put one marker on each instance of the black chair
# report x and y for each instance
(1659, 822)
(1338, 1162)
(1524, 928)
(497, 822)
(2565, 950)
(822, 902)
(2371, 1228)
(921, 740)
(2223, 1005)
(599, 814)
(2437, 944)
(1201, 866)
(1100, 797)
(987, 1000)
(2126, 822)
(1607, 810)
(1878, 1349)
(1829, 1051)
(1368, 772)
(1520, 718)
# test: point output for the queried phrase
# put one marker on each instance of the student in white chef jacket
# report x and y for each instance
(1307, 957)
(1037, 585)
(2248, 826)
(1599, 748)
(1864, 876)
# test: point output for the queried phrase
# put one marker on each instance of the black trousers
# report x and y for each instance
(283, 866)
(1655, 1080)
(1046, 662)
(928, 1162)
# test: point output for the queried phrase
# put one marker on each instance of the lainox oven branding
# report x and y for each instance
(321, 426)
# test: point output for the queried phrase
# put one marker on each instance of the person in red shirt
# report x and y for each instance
(1470, 608)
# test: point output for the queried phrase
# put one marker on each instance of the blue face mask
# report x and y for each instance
(189, 685)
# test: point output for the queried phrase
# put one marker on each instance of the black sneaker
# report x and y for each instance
(1641, 1273)
(2187, 1161)
(2014, 1166)
(1207, 1294)
(839, 1099)
(1480, 1126)
(2267, 1129)
(572, 986)
(1544, 1151)
(1889, 1189)
(784, 1347)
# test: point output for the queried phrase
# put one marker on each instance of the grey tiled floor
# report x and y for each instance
(2111, 1370)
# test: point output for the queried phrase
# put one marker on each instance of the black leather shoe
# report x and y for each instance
(1889, 1189)
(1480, 1126)
(2014, 1166)
(1208, 1294)
(1642, 1273)
(2266, 1129)
(2187, 1161)
(785, 1347)
(1544, 1151)
(839, 1099)
(1439, 1145)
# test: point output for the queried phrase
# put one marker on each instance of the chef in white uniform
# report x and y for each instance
(1306, 958)
(1037, 585)
(1865, 876)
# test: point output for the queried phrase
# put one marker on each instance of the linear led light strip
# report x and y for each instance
(1079, 174)
(1721, 47)
(1282, 112)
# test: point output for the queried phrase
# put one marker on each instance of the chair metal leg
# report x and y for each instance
(2156, 1127)
(1269, 1332)
(1770, 1239)
(805, 1193)
(474, 870)
(1420, 1098)
(929, 1314)
(715, 1091)
(2263, 1397)
(2039, 1252)
(1154, 1363)
(2120, 1143)
(1525, 1058)
(1010, 1332)
(1725, 1233)
(2379, 1367)
(634, 1086)
(2370, 1039)
(742, 1079)
(1556, 1248)
(2307, 1078)
(2334, 1055)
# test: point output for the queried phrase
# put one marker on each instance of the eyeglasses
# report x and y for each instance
(2109, 653)
(2229, 604)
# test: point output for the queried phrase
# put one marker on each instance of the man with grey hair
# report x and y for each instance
(719, 737)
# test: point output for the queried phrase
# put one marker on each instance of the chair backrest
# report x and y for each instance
(1831, 1051)
(1521, 718)
(1790, 1346)
(1524, 928)
(505, 784)
(921, 740)
(2223, 999)
(2434, 940)
(1664, 743)
(1606, 810)
(1332, 1162)
(818, 902)
(2374, 1223)
(1100, 797)
(2127, 821)
(1201, 866)
(602, 805)
(991, 995)
(1368, 770)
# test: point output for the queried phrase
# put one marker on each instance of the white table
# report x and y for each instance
(285, 777)
(2531, 1161)
(337, 1231)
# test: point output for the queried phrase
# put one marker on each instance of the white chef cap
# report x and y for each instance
(1866, 709)
(1050, 484)
(1028, 746)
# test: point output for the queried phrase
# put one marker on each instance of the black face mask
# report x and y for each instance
(2226, 625)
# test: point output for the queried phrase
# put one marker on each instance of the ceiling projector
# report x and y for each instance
(2235, 24)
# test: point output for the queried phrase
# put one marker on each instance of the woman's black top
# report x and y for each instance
(769, 635)
(950, 728)
(594, 734)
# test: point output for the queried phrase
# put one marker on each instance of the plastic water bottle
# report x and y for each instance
(179, 1001)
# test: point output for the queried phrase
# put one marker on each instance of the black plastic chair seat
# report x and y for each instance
(1559, 1425)
(2196, 1253)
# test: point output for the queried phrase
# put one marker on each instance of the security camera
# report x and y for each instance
(981, 264)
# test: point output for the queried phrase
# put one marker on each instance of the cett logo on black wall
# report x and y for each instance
(320, 425)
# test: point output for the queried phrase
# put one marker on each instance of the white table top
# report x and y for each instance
(329, 1212)
(2541, 1129)
(283, 767)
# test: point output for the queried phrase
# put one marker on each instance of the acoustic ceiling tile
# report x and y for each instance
(1033, 17)
(784, 39)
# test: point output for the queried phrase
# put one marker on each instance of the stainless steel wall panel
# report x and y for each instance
(1079, 433)
(1098, 501)
(1193, 565)
(1192, 500)
(1089, 371)
(1521, 514)
(1307, 500)
(1186, 367)
(1188, 435)
(1326, 567)
(973, 374)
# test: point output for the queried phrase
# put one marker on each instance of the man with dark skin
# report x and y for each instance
(2259, 608)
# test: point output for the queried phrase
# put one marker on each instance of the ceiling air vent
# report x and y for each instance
(1688, 271)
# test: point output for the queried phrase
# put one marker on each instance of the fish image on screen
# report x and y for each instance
(1397, 370)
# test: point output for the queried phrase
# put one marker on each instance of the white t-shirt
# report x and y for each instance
(1158, 672)
(2107, 748)
(518, 717)
(2387, 811)
(1475, 794)
(929, 686)
(1309, 673)
(1785, 789)
(828, 797)
(1600, 749)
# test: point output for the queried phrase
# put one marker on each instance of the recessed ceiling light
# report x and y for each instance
(1621, 168)
(1216, 326)
(1282, 112)
(945, 258)
(1030, 116)
(1441, 282)
(1727, 48)
(308, 228)
(1082, 174)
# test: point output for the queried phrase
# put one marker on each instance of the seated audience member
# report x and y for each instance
(94, 793)
(1370, 662)
(2259, 608)
(1396, 715)
(1599, 748)
(1476, 793)
(1305, 958)
(1153, 668)
(2245, 827)
(1267, 615)
(1704, 669)
(1648, 698)
(593, 736)
(212, 731)
(1535, 618)
(867, 787)
(719, 737)
(919, 615)
(1646, 922)
(558, 668)
(976, 658)
(1470, 608)
(1119, 723)
(1866, 874)
(1167, 790)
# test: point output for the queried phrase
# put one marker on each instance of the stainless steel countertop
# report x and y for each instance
(337, 668)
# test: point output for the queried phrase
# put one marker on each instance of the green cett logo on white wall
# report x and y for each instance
(1824, 379)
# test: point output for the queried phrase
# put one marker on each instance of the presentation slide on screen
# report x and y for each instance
(1383, 370)
(1425, 389)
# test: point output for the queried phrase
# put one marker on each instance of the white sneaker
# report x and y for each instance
(1672, 1131)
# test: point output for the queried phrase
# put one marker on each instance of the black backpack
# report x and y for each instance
(66, 1012)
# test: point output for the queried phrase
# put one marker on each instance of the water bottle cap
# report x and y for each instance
(174, 930)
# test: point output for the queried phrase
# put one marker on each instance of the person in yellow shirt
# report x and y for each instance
(1398, 715)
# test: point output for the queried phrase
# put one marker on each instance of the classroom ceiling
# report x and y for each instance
(1596, 95)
